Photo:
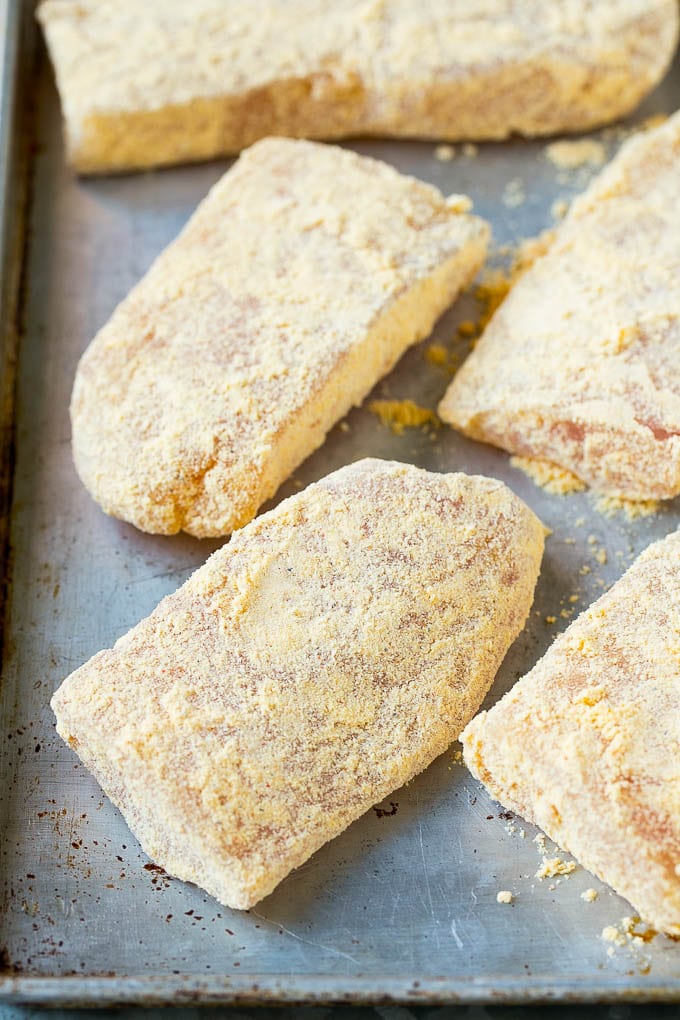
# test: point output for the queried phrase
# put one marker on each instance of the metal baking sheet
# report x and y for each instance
(403, 905)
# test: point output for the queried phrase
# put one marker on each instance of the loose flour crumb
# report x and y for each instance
(401, 414)
(559, 208)
(632, 509)
(504, 896)
(655, 121)
(612, 934)
(589, 895)
(569, 155)
(458, 203)
(554, 866)
(513, 193)
(444, 153)
(436, 354)
(554, 479)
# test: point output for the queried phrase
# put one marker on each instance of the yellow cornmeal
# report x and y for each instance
(655, 121)
(440, 356)
(491, 292)
(437, 354)
(632, 508)
(554, 479)
(496, 284)
(403, 414)
(568, 155)
(554, 866)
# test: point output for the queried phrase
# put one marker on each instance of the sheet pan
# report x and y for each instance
(403, 905)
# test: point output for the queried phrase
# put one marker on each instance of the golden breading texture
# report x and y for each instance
(579, 365)
(168, 81)
(587, 745)
(314, 664)
(298, 282)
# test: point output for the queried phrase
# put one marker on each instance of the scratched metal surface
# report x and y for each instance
(403, 905)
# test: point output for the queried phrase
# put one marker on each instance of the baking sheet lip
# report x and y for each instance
(16, 60)
(273, 989)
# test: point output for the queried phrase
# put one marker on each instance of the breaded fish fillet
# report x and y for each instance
(166, 81)
(298, 282)
(315, 663)
(587, 745)
(579, 365)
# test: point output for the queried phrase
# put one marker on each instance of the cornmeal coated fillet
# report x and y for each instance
(587, 745)
(579, 365)
(167, 81)
(298, 283)
(317, 662)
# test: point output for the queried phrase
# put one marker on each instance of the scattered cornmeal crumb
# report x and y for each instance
(401, 414)
(655, 121)
(530, 249)
(444, 153)
(573, 598)
(612, 934)
(344, 426)
(611, 505)
(559, 208)
(551, 619)
(630, 931)
(601, 556)
(555, 480)
(589, 895)
(467, 328)
(636, 929)
(554, 866)
(513, 193)
(436, 354)
(568, 155)
(470, 149)
(459, 203)
(495, 284)
(504, 896)
(439, 355)
(491, 292)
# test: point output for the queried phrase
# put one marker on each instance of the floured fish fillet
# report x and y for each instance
(299, 281)
(587, 745)
(579, 366)
(317, 662)
(165, 81)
